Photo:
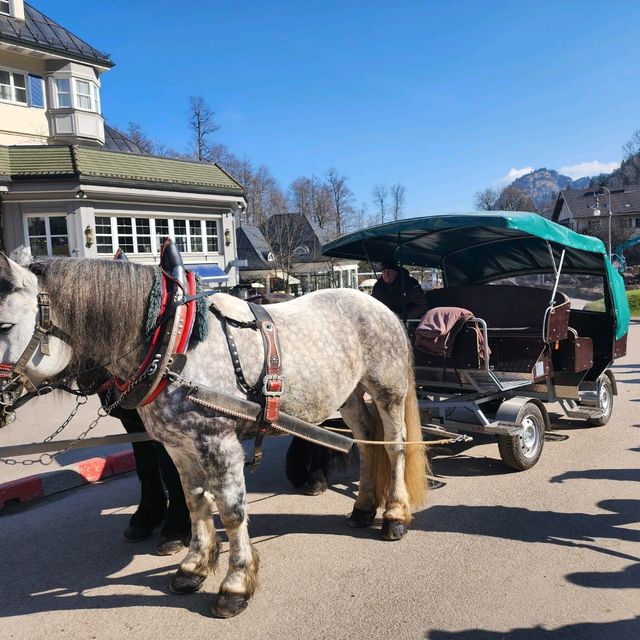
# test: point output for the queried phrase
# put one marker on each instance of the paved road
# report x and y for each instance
(552, 553)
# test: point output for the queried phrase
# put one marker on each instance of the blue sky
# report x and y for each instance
(444, 97)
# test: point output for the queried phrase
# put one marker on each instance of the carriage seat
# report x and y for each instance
(507, 309)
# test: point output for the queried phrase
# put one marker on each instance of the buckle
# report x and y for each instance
(272, 385)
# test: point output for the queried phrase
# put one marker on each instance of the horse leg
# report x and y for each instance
(298, 461)
(176, 529)
(397, 514)
(306, 465)
(204, 547)
(222, 459)
(356, 416)
(153, 501)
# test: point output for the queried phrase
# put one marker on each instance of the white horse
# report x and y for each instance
(336, 346)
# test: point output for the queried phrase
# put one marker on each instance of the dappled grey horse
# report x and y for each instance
(336, 346)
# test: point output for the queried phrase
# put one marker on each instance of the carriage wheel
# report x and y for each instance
(605, 402)
(523, 451)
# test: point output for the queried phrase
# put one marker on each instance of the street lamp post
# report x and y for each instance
(596, 210)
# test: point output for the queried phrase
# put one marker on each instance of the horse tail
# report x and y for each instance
(416, 465)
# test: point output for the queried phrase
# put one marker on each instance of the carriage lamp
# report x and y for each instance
(227, 237)
(89, 238)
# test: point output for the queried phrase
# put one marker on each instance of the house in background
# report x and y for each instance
(288, 251)
(71, 185)
(575, 209)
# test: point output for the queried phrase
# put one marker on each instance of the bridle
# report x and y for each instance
(14, 377)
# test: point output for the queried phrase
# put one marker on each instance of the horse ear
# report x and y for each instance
(18, 276)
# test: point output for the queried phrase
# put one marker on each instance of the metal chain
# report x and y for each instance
(47, 458)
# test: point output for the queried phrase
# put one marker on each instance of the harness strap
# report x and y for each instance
(38, 339)
(272, 382)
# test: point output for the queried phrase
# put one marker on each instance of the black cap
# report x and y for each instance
(390, 263)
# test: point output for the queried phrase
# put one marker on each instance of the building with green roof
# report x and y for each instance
(72, 185)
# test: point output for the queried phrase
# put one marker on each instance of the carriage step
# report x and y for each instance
(496, 428)
(580, 411)
(484, 381)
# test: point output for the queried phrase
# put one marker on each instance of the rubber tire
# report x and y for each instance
(605, 384)
(511, 447)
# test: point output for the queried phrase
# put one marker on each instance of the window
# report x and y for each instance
(104, 236)
(63, 92)
(83, 95)
(211, 234)
(143, 236)
(162, 231)
(195, 236)
(13, 86)
(48, 235)
(5, 7)
(125, 234)
(180, 234)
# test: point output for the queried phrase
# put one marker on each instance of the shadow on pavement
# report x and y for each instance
(578, 530)
(618, 630)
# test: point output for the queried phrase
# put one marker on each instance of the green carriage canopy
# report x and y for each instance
(474, 248)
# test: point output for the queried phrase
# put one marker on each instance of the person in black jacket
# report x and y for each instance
(400, 292)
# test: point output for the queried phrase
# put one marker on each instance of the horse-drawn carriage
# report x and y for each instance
(528, 340)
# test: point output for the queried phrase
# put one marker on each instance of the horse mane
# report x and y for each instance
(100, 304)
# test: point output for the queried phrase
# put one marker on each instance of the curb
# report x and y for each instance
(49, 483)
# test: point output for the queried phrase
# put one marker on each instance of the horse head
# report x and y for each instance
(29, 354)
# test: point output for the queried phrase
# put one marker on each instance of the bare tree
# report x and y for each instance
(398, 195)
(380, 195)
(509, 199)
(631, 159)
(286, 235)
(514, 199)
(140, 139)
(486, 200)
(342, 199)
(312, 197)
(202, 124)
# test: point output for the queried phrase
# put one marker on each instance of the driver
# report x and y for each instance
(400, 292)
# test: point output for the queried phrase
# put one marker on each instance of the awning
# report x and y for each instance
(208, 272)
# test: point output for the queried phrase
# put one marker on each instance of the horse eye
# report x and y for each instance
(5, 327)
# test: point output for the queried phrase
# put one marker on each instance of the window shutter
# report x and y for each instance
(36, 92)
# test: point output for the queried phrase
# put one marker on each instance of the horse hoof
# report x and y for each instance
(182, 583)
(137, 532)
(227, 605)
(172, 544)
(360, 518)
(393, 529)
(315, 488)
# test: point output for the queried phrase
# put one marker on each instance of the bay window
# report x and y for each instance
(74, 93)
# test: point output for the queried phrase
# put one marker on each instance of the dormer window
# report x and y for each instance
(79, 94)
(5, 7)
(13, 86)
(301, 250)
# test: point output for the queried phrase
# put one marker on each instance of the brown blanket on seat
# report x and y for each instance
(438, 328)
